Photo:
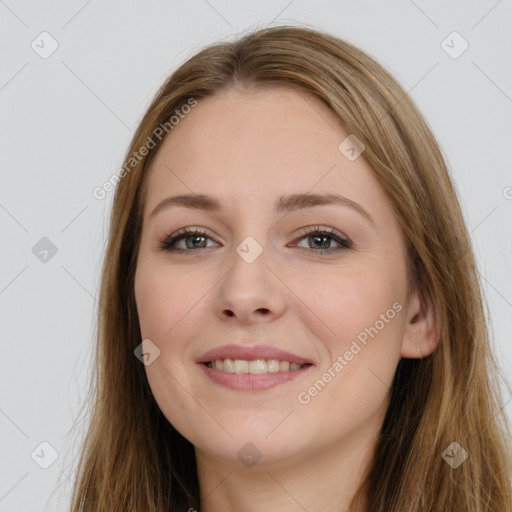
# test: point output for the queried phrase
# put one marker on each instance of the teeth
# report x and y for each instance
(239, 365)
(284, 366)
(272, 365)
(258, 366)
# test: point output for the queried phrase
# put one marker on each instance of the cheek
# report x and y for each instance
(351, 303)
(361, 316)
(168, 304)
(165, 300)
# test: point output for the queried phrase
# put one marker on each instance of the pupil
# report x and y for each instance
(317, 237)
(194, 239)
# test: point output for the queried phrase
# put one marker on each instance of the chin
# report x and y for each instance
(250, 447)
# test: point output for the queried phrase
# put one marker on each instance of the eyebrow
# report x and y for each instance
(284, 204)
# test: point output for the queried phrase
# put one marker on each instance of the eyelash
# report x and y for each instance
(168, 243)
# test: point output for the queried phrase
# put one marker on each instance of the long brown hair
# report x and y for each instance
(132, 458)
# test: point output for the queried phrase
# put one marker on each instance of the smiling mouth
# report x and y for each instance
(254, 367)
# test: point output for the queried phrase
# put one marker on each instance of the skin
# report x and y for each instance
(247, 149)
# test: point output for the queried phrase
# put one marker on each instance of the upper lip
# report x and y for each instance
(249, 353)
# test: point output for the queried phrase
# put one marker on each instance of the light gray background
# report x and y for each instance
(67, 120)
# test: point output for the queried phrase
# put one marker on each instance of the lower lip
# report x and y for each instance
(249, 381)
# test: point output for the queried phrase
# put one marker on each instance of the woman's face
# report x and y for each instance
(259, 273)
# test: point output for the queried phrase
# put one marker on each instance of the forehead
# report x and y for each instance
(255, 146)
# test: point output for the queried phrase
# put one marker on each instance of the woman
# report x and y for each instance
(325, 346)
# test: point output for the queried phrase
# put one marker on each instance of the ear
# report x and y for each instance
(421, 328)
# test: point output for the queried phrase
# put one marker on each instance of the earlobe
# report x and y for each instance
(421, 333)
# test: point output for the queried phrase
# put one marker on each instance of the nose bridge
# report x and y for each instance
(250, 258)
(253, 247)
(253, 222)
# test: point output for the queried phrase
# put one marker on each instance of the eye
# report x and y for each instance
(323, 237)
(197, 235)
(196, 238)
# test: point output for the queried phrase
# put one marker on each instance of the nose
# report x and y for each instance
(250, 292)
